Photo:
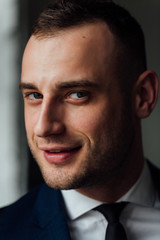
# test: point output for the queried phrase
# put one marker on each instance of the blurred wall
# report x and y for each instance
(12, 167)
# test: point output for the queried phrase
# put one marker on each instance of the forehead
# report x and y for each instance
(86, 49)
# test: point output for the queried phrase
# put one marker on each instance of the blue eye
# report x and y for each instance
(78, 95)
(34, 95)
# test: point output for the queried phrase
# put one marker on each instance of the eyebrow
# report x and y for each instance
(63, 85)
(75, 84)
(23, 85)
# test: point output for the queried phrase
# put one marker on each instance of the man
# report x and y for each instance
(86, 89)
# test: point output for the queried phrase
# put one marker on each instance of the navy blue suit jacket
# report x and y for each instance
(40, 215)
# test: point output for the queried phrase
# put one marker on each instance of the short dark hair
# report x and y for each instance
(63, 14)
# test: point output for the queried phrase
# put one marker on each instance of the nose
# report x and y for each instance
(50, 121)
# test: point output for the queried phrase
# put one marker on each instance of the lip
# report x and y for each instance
(60, 155)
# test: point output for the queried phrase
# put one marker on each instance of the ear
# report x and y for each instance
(146, 93)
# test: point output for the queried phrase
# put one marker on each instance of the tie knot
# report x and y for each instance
(112, 211)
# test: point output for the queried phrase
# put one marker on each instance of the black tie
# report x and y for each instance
(115, 230)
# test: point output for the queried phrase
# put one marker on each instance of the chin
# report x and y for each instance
(64, 179)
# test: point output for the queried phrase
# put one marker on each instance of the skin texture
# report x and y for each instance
(74, 107)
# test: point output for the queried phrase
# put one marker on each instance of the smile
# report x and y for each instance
(61, 156)
(62, 151)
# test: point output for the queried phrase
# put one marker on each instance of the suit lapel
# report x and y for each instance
(49, 215)
(155, 174)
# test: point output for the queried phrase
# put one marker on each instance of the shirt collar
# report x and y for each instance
(77, 204)
(142, 193)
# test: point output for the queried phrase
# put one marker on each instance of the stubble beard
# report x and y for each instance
(99, 164)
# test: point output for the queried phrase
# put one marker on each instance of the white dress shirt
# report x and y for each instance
(140, 218)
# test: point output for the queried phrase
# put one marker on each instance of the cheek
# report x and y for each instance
(90, 121)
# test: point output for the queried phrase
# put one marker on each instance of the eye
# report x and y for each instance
(78, 95)
(33, 96)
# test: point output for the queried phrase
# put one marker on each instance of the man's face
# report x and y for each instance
(78, 128)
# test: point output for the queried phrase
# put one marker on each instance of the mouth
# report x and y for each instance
(63, 150)
(61, 155)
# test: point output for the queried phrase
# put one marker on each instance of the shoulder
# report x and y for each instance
(21, 218)
(25, 203)
(155, 171)
(155, 174)
(13, 217)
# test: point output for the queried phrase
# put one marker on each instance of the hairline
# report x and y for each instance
(56, 31)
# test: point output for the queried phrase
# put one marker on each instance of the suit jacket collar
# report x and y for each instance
(155, 174)
(49, 214)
